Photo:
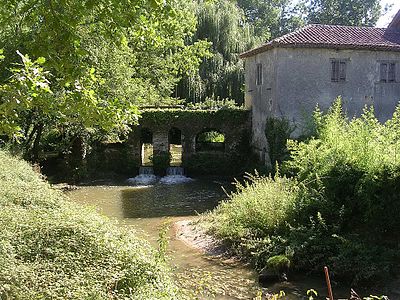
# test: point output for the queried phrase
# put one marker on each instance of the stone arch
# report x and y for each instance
(175, 146)
(210, 140)
(147, 147)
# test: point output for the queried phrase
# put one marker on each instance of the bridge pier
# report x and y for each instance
(160, 142)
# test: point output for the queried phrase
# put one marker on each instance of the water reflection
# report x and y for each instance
(145, 209)
(170, 200)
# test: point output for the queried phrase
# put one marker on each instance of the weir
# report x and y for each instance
(146, 170)
(204, 142)
(175, 171)
(146, 177)
(175, 175)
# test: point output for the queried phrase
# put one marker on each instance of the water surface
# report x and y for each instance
(147, 208)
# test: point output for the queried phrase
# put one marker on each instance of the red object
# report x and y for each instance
(328, 283)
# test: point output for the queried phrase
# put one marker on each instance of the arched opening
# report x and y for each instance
(146, 140)
(175, 146)
(210, 140)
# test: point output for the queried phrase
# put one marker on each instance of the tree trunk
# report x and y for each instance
(36, 142)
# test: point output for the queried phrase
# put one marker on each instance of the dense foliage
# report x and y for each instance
(273, 18)
(338, 207)
(76, 71)
(221, 74)
(93, 63)
(53, 249)
(348, 12)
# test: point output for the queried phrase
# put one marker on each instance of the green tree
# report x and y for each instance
(344, 12)
(272, 18)
(221, 74)
(29, 107)
(102, 58)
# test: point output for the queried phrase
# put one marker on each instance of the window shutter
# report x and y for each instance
(342, 71)
(334, 74)
(383, 72)
(392, 72)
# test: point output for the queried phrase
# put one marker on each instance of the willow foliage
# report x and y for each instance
(221, 75)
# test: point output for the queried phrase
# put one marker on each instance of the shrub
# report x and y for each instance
(277, 132)
(252, 215)
(214, 163)
(161, 161)
(340, 206)
(51, 248)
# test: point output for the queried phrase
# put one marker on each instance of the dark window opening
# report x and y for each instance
(259, 75)
(387, 72)
(338, 70)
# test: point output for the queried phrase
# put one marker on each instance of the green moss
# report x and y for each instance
(166, 117)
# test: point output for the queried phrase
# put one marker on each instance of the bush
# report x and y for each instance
(51, 248)
(210, 163)
(339, 208)
(161, 161)
(257, 211)
(278, 131)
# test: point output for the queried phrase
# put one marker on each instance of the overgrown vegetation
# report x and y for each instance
(53, 249)
(277, 132)
(161, 161)
(337, 205)
(93, 63)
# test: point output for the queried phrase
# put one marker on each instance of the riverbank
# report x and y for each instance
(335, 205)
(53, 248)
(193, 235)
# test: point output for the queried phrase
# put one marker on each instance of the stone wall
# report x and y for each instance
(295, 80)
(235, 124)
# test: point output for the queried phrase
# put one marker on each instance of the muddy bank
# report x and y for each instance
(195, 236)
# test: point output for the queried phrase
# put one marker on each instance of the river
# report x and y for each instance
(147, 208)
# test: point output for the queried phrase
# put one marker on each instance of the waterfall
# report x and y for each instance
(175, 175)
(146, 177)
(175, 171)
(146, 171)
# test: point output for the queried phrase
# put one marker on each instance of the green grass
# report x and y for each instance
(258, 207)
(51, 248)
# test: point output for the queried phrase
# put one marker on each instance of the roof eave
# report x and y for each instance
(267, 47)
(256, 51)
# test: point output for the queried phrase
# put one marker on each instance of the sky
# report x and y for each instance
(384, 21)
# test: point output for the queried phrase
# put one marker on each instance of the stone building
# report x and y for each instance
(288, 76)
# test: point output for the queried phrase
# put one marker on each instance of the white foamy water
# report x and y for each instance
(143, 179)
(175, 179)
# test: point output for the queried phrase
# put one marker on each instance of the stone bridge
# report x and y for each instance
(163, 127)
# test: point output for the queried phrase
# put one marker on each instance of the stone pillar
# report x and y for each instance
(160, 142)
(188, 145)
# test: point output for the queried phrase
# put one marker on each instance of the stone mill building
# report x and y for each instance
(288, 76)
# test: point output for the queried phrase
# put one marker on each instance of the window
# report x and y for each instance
(338, 70)
(387, 72)
(259, 75)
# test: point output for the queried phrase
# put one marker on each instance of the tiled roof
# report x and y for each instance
(335, 37)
